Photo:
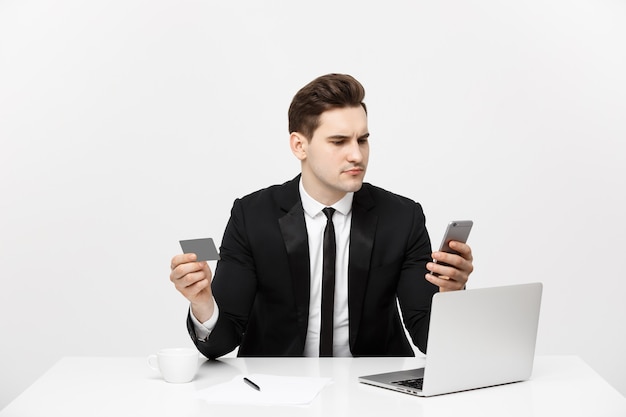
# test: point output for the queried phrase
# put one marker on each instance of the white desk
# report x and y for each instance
(86, 386)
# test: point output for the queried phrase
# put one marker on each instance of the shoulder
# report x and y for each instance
(282, 195)
(379, 197)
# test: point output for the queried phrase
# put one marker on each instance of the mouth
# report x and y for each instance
(354, 171)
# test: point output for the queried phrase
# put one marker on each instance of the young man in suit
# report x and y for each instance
(270, 294)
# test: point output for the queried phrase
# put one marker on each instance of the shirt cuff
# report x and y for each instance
(203, 330)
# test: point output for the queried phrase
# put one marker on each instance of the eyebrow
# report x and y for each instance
(344, 137)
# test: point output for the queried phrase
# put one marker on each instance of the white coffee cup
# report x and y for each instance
(177, 365)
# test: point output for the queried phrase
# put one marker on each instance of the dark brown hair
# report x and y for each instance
(323, 93)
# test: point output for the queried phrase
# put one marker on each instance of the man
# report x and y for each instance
(270, 292)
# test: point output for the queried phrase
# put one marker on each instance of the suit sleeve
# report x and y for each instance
(414, 291)
(234, 288)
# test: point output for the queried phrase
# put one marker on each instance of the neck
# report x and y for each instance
(322, 196)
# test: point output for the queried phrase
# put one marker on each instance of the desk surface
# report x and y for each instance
(87, 386)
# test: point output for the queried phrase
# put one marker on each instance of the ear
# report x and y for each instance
(298, 144)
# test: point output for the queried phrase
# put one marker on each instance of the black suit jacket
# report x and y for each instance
(262, 281)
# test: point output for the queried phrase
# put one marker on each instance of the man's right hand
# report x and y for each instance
(193, 280)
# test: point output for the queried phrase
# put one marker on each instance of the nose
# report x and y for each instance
(355, 153)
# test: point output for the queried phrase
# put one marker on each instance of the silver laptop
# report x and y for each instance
(477, 338)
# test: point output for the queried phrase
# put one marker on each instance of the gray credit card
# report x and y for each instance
(204, 249)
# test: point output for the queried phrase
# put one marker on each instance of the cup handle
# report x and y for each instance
(152, 362)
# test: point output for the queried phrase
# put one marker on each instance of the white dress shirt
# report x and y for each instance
(315, 223)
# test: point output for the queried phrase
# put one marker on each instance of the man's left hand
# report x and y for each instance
(452, 270)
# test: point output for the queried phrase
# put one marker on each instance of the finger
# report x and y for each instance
(187, 268)
(436, 268)
(446, 258)
(444, 282)
(196, 290)
(190, 279)
(463, 249)
(463, 266)
(446, 272)
(454, 260)
(182, 259)
(459, 272)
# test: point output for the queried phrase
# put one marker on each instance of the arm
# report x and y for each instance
(414, 292)
(415, 296)
(233, 287)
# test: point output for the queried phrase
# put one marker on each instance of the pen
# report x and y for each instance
(252, 384)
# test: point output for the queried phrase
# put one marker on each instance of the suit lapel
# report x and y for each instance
(293, 229)
(362, 234)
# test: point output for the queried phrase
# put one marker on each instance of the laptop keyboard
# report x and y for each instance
(411, 383)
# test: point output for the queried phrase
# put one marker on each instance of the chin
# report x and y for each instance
(354, 187)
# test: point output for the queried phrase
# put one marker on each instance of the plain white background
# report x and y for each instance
(128, 125)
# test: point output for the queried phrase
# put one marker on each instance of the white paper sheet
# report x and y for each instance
(275, 390)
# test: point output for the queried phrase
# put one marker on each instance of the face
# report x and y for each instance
(334, 160)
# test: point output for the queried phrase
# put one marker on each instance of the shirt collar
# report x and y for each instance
(313, 207)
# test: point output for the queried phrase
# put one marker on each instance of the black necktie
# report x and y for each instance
(328, 286)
